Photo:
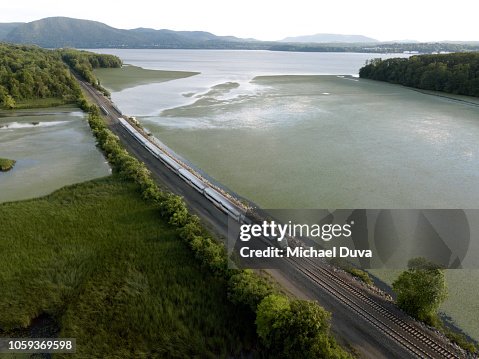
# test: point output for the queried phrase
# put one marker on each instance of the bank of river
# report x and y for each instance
(52, 147)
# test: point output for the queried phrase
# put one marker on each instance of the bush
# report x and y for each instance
(248, 288)
(296, 329)
(421, 290)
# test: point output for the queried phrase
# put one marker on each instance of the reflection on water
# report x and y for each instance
(363, 145)
(52, 148)
(315, 142)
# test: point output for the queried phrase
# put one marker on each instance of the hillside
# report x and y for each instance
(65, 32)
(5, 29)
(56, 32)
(330, 38)
(61, 32)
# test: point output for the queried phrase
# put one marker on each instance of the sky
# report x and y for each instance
(421, 20)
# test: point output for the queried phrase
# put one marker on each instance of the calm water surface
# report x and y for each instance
(53, 148)
(316, 138)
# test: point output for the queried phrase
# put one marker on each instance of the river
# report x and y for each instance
(300, 130)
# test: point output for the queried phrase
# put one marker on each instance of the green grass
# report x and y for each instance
(99, 260)
(40, 103)
(118, 79)
(6, 164)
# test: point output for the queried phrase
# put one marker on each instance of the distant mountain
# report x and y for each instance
(330, 38)
(55, 32)
(65, 32)
(5, 28)
(405, 41)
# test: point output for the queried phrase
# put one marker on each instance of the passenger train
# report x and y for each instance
(211, 194)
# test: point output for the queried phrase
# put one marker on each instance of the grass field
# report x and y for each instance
(40, 103)
(6, 164)
(99, 261)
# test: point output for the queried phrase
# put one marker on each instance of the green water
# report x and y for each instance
(331, 142)
(130, 76)
(316, 141)
(53, 148)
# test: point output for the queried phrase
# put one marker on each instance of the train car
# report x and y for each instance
(214, 196)
(190, 178)
(169, 162)
(221, 202)
(103, 109)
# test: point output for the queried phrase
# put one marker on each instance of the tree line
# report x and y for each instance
(83, 63)
(456, 73)
(29, 73)
(287, 328)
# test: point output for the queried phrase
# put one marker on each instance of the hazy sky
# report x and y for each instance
(422, 20)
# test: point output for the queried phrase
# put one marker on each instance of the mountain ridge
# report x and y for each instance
(62, 32)
(57, 32)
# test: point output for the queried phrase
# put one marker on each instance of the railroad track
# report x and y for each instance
(414, 340)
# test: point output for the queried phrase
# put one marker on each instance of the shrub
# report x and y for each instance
(421, 290)
(296, 329)
(248, 288)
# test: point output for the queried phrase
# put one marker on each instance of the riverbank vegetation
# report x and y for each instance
(33, 77)
(83, 63)
(28, 72)
(456, 73)
(6, 164)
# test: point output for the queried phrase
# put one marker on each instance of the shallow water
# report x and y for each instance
(315, 141)
(331, 142)
(53, 148)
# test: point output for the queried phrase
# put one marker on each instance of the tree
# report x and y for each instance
(421, 290)
(296, 329)
(8, 102)
(452, 73)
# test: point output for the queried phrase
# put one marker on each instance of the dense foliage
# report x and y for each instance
(421, 290)
(295, 329)
(28, 73)
(456, 73)
(378, 48)
(32, 73)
